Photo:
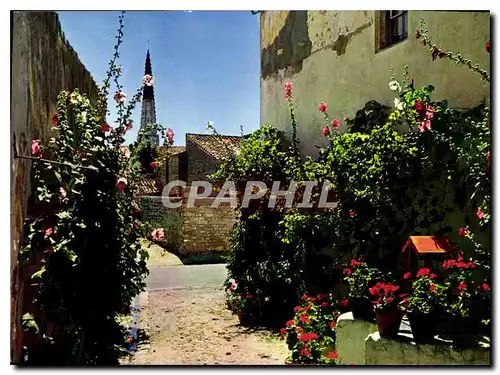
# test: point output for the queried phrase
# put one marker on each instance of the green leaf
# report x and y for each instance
(39, 273)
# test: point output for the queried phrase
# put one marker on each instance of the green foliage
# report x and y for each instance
(88, 234)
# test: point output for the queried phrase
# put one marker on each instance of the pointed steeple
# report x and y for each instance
(148, 91)
(148, 111)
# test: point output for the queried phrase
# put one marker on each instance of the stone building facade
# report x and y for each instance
(344, 57)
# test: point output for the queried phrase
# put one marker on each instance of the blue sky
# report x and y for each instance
(206, 64)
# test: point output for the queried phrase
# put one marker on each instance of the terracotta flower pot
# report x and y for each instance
(423, 326)
(245, 318)
(362, 309)
(388, 323)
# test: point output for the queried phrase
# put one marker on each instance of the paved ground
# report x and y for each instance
(183, 313)
(196, 276)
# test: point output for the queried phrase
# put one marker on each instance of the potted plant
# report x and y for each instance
(388, 312)
(241, 305)
(360, 278)
(424, 304)
(310, 335)
(468, 302)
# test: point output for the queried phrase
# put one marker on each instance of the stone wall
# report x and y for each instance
(199, 164)
(198, 229)
(331, 56)
(43, 64)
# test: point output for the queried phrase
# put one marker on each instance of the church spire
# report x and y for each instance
(148, 112)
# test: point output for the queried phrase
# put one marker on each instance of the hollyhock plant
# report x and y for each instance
(36, 149)
(158, 234)
(323, 107)
(326, 131)
(121, 184)
(148, 80)
(170, 135)
(288, 90)
(120, 97)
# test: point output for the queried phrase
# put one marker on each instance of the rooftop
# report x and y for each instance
(216, 146)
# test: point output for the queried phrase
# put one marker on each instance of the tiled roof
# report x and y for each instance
(148, 187)
(216, 145)
(174, 150)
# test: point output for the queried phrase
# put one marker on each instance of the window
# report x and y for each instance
(392, 28)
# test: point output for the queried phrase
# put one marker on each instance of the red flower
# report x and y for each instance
(347, 271)
(419, 106)
(158, 234)
(305, 319)
(332, 324)
(432, 288)
(324, 304)
(49, 232)
(323, 107)
(290, 323)
(432, 276)
(407, 275)
(283, 330)
(355, 263)
(121, 184)
(424, 126)
(422, 43)
(249, 295)
(333, 355)
(105, 128)
(305, 297)
(470, 265)
(326, 131)
(488, 156)
(296, 309)
(304, 352)
(480, 213)
(298, 329)
(129, 340)
(344, 303)
(462, 232)
(335, 123)
(417, 34)
(423, 272)
(152, 164)
(306, 337)
(352, 213)
(487, 46)
(462, 286)
(404, 301)
(55, 120)
(485, 287)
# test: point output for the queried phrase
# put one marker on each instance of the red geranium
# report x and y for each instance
(423, 272)
(323, 107)
(290, 323)
(326, 131)
(463, 232)
(407, 275)
(347, 271)
(306, 337)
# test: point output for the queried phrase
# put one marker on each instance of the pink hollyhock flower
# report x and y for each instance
(35, 147)
(326, 131)
(462, 232)
(153, 164)
(323, 107)
(121, 184)
(480, 214)
(407, 275)
(485, 287)
(105, 128)
(347, 271)
(288, 86)
(158, 234)
(335, 123)
(120, 97)
(128, 125)
(423, 272)
(419, 106)
(169, 134)
(49, 232)
(148, 80)
(126, 151)
(129, 340)
(432, 288)
(55, 119)
(425, 125)
(63, 193)
(430, 112)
